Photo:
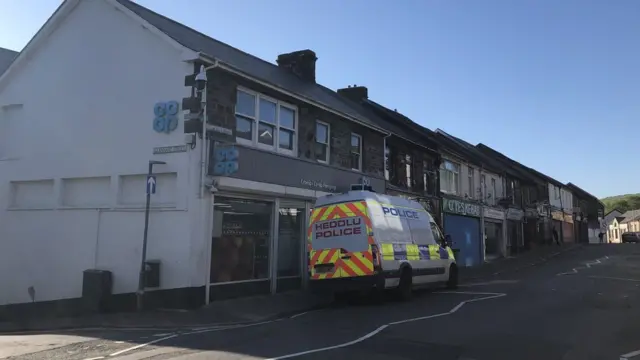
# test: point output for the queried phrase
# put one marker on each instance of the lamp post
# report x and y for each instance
(150, 185)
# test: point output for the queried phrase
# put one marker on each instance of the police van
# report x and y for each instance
(361, 240)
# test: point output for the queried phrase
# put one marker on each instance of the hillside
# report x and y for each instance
(621, 202)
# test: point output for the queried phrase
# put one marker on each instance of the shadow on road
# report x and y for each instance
(542, 308)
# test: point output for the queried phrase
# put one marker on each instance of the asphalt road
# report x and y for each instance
(583, 304)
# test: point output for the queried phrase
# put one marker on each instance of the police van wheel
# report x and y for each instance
(452, 283)
(405, 288)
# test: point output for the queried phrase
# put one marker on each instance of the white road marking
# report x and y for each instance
(614, 278)
(228, 328)
(161, 335)
(303, 313)
(379, 329)
(631, 356)
(587, 265)
(142, 345)
(95, 358)
(494, 282)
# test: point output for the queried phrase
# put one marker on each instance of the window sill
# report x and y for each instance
(272, 149)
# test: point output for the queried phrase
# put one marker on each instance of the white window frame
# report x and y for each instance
(325, 161)
(472, 182)
(359, 150)
(276, 134)
(457, 178)
(494, 188)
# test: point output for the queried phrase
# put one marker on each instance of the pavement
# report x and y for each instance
(578, 304)
(235, 311)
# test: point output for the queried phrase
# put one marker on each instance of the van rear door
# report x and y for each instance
(339, 235)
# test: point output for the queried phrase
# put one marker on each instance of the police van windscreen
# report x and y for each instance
(349, 233)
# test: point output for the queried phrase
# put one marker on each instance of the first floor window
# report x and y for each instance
(449, 173)
(356, 152)
(264, 122)
(322, 141)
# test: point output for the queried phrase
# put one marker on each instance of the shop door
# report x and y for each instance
(493, 242)
(465, 234)
(291, 221)
(567, 232)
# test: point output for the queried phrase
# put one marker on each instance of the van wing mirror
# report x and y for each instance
(447, 240)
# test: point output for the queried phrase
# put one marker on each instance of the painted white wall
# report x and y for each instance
(561, 198)
(608, 221)
(567, 200)
(72, 173)
(476, 193)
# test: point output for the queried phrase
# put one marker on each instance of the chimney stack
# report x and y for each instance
(302, 63)
(355, 93)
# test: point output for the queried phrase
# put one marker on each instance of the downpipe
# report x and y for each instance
(203, 148)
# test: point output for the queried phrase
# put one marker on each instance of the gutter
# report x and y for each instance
(229, 68)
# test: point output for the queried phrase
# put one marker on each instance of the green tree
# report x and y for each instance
(622, 202)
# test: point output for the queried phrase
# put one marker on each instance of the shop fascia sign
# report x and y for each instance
(461, 207)
(318, 184)
(493, 213)
(531, 213)
(515, 214)
(557, 215)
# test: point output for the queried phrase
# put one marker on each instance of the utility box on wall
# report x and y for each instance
(152, 274)
(96, 290)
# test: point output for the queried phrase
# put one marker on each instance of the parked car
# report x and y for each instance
(631, 237)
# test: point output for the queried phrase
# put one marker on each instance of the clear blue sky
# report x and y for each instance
(481, 70)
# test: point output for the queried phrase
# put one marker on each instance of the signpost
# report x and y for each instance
(151, 189)
(151, 185)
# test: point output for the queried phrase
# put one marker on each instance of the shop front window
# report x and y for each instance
(240, 240)
(291, 224)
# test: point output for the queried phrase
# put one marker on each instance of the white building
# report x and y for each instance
(73, 164)
(77, 134)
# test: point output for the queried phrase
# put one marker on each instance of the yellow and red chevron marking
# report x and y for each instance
(359, 264)
(341, 211)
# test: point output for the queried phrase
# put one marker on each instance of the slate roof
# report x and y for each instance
(471, 152)
(519, 168)
(6, 58)
(629, 216)
(401, 125)
(247, 63)
(584, 193)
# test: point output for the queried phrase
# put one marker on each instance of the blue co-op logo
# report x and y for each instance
(166, 116)
(402, 213)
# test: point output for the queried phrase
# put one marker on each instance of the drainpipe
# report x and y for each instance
(562, 222)
(206, 220)
(384, 157)
(203, 151)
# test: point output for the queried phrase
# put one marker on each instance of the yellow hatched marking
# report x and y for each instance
(387, 252)
(322, 256)
(315, 214)
(353, 267)
(326, 214)
(348, 212)
(450, 252)
(412, 252)
(362, 207)
(434, 252)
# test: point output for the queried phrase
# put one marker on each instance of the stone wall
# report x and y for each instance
(221, 99)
